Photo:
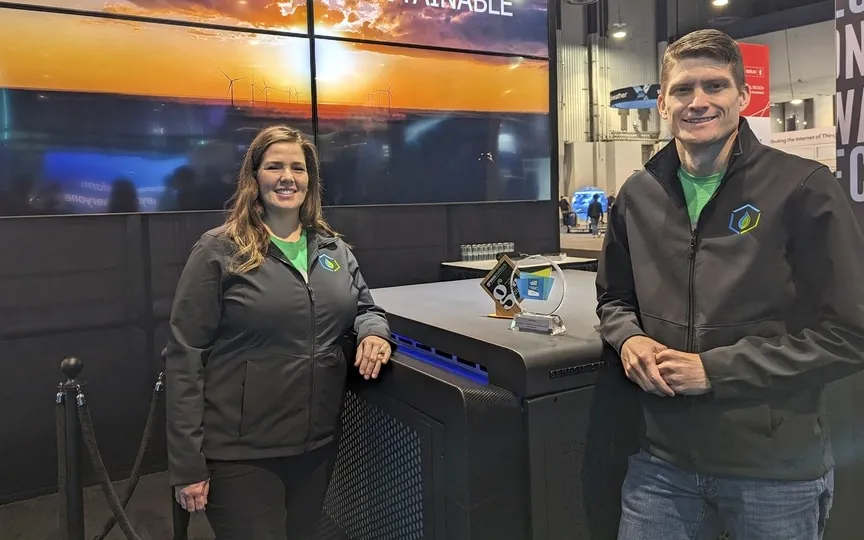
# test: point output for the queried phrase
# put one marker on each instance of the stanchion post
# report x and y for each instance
(179, 516)
(74, 526)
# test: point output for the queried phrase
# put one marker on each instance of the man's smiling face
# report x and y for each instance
(701, 101)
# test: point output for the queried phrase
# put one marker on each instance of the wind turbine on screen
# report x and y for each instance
(293, 94)
(231, 84)
(389, 93)
(266, 91)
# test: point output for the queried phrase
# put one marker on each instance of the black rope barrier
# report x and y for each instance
(135, 475)
(73, 424)
(99, 466)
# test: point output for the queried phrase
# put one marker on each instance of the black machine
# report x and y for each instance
(478, 431)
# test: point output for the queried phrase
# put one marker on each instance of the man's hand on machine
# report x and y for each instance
(193, 497)
(640, 366)
(372, 353)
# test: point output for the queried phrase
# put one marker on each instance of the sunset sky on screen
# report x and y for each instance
(42, 51)
(512, 26)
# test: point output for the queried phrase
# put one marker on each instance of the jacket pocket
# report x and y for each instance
(275, 397)
(711, 337)
(732, 436)
(797, 425)
(328, 389)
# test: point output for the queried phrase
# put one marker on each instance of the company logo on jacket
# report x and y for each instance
(744, 219)
(328, 263)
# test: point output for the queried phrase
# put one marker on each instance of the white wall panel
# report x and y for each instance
(614, 64)
(573, 100)
(630, 61)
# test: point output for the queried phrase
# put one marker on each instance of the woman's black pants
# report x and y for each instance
(269, 499)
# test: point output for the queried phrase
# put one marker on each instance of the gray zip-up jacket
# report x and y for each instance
(767, 287)
(256, 363)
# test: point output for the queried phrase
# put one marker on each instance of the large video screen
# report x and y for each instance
(399, 125)
(149, 105)
(102, 115)
(505, 26)
(287, 16)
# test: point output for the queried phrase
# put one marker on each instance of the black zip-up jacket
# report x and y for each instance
(255, 365)
(767, 287)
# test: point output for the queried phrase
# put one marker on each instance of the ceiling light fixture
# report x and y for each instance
(619, 29)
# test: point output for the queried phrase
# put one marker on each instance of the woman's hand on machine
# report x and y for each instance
(193, 497)
(372, 353)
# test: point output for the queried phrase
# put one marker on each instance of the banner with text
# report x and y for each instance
(850, 92)
(757, 62)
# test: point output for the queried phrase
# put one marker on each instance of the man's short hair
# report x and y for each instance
(707, 43)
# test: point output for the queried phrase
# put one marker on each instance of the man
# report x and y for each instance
(731, 286)
(595, 212)
(566, 210)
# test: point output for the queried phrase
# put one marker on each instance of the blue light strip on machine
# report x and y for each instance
(442, 360)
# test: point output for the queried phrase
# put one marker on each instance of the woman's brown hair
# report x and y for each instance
(245, 222)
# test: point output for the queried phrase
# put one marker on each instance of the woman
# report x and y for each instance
(255, 363)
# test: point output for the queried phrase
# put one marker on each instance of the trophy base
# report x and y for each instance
(538, 323)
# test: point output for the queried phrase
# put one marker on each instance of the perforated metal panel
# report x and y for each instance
(376, 492)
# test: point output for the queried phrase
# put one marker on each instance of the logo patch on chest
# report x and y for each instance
(328, 263)
(744, 219)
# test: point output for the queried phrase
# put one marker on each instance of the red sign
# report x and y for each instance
(757, 62)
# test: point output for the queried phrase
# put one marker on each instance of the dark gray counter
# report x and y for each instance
(451, 320)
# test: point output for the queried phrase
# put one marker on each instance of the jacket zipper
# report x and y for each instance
(691, 292)
(314, 340)
(311, 357)
(312, 330)
(691, 286)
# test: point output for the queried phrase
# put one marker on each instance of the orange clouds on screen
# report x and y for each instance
(84, 54)
(287, 15)
(358, 74)
(507, 26)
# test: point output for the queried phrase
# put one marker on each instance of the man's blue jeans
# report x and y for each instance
(660, 501)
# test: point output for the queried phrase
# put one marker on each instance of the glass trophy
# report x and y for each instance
(537, 287)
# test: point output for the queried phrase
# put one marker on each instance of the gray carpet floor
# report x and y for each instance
(149, 510)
